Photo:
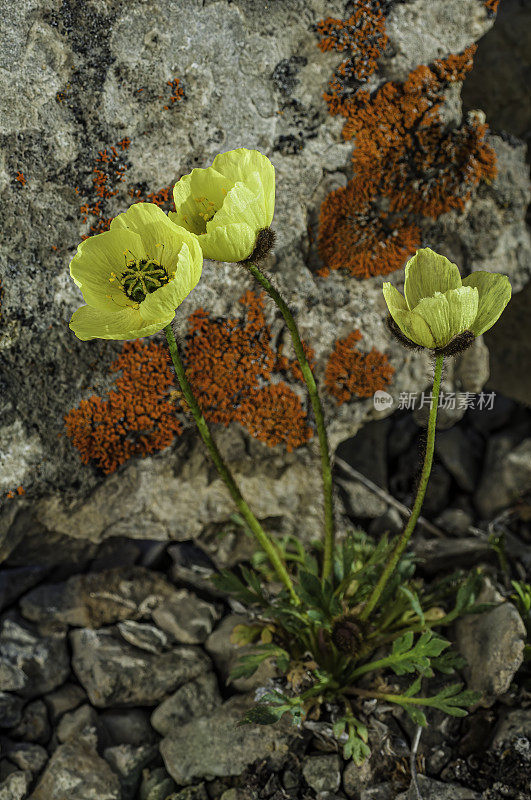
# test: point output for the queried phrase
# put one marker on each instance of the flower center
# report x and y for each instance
(141, 277)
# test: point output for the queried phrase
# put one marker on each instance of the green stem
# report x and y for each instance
(421, 491)
(309, 379)
(262, 537)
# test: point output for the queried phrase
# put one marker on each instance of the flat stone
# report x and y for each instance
(28, 757)
(199, 792)
(31, 664)
(322, 773)
(142, 635)
(517, 470)
(156, 785)
(355, 778)
(196, 698)
(114, 672)
(66, 698)
(492, 494)
(75, 771)
(10, 709)
(515, 723)
(225, 655)
(80, 725)
(384, 791)
(436, 790)
(98, 598)
(456, 452)
(15, 786)
(493, 645)
(216, 746)
(188, 619)
(127, 726)
(34, 725)
(16, 581)
(128, 762)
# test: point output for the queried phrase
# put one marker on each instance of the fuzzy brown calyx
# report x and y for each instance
(265, 239)
(348, 633)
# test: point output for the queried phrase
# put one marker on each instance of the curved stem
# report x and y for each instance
(309, 379)
(421, 491)
(224, 471)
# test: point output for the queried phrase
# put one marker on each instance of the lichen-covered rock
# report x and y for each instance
(30, 663)
(215, 746)
(15, 786)
(322, 773)
(195, 699)
(76, 771)
(201, 78)
(187, 618)
(493, 645)
(98, 598)
(113, 672)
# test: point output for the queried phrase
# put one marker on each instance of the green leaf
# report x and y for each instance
(448, 662)
(228, 582)
(417, 715)
(263, 714)
(415, 603)
(249, 663)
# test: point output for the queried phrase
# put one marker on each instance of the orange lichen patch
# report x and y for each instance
(360, 239)
(406, 163)
(177, 93)
(350, 372)
(136, 419)
(19, 177)
(362, 36)
(109, 171)
(492, 6)
(15, 492)
(278, 417)
(231, 363)
(404, 151)
(162, 198)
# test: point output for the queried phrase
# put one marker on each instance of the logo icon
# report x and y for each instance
(382, 400)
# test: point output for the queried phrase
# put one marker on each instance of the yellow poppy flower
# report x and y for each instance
(438, 305)
(227, 204)
(134, 275)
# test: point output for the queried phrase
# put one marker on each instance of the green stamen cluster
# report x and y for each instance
(141, 278)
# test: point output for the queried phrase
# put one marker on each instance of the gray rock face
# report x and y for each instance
(31, 664)
(98, 598)
(77, 772)
(224, 56)
(34, 725)
(146, 637)
(187, 618)
(195, 699)
(28, 757)
(80, 725)
(322, 773)
(114, 672)
(10, 709)
(15, 786)
(156, 785)
(215, 746)
(493, 645)
(128, 762)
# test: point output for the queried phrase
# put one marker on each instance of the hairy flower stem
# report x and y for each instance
(401, 545)
(309, 379)
(263, 539)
